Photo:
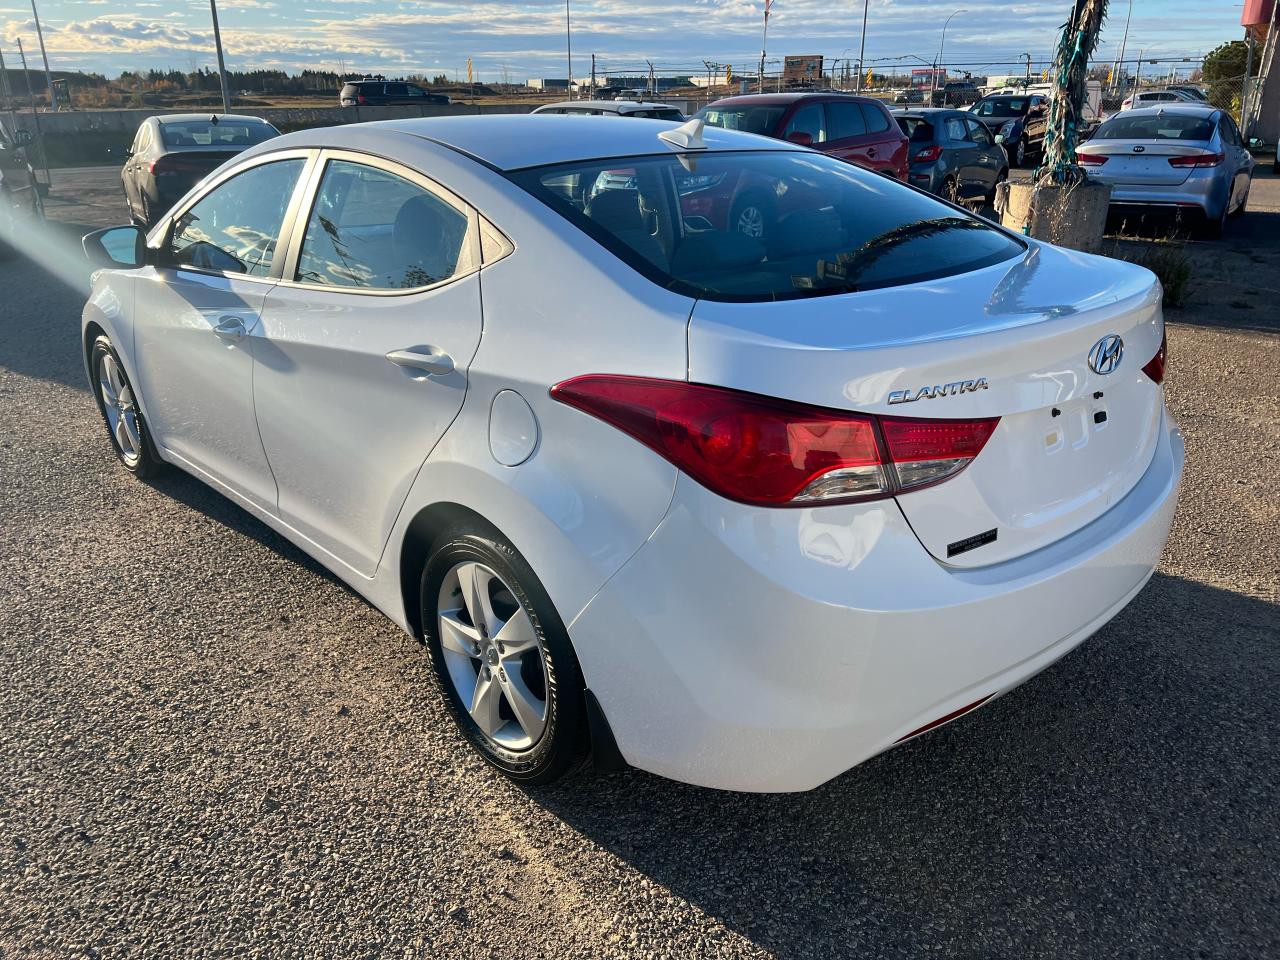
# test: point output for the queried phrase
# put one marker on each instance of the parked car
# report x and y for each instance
(909, 95)
(381, 92)
(1151, 98)
(1183, 159)
(742, 513)
(1192, 91)
(19, 199)
(1018, 122)
(952, 154)
(857, 129)
(955, 93)
(171, 154)
(615, 108)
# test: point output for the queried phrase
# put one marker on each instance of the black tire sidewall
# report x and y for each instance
(564, 743)
(148, 462)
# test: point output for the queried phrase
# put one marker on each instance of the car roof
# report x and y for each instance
(928, 113)
(510, 141)
(781, 99)
(617, 106)
(190, 117)
(1177, 108)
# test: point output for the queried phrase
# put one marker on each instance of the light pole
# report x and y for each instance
(1125, 39)
(862, 45)
(222, 63)
(568, 46)
(941, 47)
(48, 77)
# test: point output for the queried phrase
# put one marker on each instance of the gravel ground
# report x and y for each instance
(209, 747)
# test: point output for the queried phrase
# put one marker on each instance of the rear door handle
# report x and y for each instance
(433, 361)
(229, 328)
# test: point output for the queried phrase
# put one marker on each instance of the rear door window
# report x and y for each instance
(955, 130)
(811, 119)
(845, 120)
(370, 229)
(875, 118)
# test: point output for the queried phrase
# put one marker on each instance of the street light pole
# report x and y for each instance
(1125, 39)
(941, 47)
(48, 77)
(568, 46)
(862, 45)
(222, 63)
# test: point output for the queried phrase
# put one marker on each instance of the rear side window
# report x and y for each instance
(767, 225)
(809, 119)
(955, 130)
(845, 120)
(876, 119)
(235, 227)
(1166, 126)
(372, 230)
(761, 120)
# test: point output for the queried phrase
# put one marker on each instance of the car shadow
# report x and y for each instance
(1118, 798)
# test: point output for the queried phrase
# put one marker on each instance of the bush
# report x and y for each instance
(1167, 259)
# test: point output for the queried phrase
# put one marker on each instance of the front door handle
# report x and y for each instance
(433, 361)
(229, 328)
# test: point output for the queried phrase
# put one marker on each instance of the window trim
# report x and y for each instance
(164, 231)
(297, 227)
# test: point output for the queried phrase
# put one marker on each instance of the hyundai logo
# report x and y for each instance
(1106, 353)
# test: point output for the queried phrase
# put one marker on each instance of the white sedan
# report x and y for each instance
(743, 511)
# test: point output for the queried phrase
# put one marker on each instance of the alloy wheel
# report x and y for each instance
(121, 409)
(751, 221)
(493, 656)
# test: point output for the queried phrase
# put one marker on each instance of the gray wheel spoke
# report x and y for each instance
(108, 392)
(529, 710)
(130, 421)
(457, 636)
(474, 580)
(113, 374)
(516, 636)
(485, 703)
(122, 435)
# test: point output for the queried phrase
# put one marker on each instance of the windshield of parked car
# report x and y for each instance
(1163, 126)
(767, 225)
(1001, 107)
(224, 133)
(762, 120)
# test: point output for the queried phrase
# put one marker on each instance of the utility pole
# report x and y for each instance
(1248, 69)
(568, 46)
(764, 43)
(862, 45)
(35, 119)
(653, 84)
(222, 63)
(48, 77)
(1125, 39)
(1028, 83)
(593, 76)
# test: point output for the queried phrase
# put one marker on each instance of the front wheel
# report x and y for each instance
(120, 411)
(502, 658)
(1020, 153)
(751, 217)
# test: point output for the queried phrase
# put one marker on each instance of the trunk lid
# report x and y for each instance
(1142, 162)
(1071, 442)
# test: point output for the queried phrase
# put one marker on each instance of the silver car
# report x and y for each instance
(1184, 159)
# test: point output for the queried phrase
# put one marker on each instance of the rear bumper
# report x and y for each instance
(1197, 197)
(771, 650)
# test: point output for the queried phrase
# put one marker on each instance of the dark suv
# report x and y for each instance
(1018, 121)
(381, 92)
(18, 187)
(955, 93)
(857, 129)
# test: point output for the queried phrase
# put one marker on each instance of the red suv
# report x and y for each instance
(857, 129)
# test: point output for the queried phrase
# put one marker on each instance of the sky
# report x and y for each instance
(517, 41)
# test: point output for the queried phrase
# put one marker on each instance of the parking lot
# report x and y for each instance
(210, 746)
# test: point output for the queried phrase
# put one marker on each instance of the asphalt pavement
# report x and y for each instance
(210, 747)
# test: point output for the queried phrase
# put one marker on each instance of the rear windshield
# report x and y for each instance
(762, 120)
(1001, 107)
(917, 129)
(768, 225)
(657, 114)
(224, 133)
(1168, 126)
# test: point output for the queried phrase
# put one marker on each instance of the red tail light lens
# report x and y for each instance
(927, 155)
(770, 452)
(1090, 159)
(1199, 160)
(361, 100)
(1155, 366)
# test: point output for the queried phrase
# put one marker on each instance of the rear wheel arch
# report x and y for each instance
(424, 530)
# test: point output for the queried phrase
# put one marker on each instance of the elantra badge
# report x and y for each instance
(1105, 356)
(942, 390)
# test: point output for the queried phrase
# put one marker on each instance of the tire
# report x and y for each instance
(1244, 205)
(126, 427)
(752, 216)
(524, 710)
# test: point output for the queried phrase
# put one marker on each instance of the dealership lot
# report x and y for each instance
(209, 745)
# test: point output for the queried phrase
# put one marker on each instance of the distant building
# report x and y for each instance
(548, 83)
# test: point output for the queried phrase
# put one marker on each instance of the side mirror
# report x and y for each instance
(23, 138)
(122, 248)
(801, 138)
(999, 138)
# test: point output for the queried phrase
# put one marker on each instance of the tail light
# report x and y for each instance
(777, 453)
(1198, 160)
(928, 154)
(1090, 159)
(361, 100)
(1155, 366)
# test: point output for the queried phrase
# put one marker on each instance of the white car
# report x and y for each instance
(742, 511)
(1153, 98)
(635, 109)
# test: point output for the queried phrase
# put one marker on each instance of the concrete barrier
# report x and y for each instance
(91, 137)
